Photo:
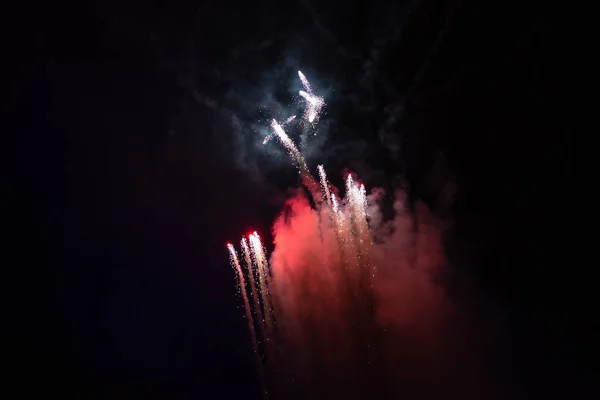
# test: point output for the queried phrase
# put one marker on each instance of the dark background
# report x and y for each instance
(124, 184)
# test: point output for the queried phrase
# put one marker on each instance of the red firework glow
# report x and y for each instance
(353, 311)
(347, 306)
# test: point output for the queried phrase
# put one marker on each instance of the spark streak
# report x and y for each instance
(263, 270)
(315, 103)
(324, 184)
(290, 146)
(252, 276)
(305, 82)
(236, 264)
(270, 135)
(334, 203)
(350, 233)
(319, 304)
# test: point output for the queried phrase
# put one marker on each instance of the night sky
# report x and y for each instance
(136, 153)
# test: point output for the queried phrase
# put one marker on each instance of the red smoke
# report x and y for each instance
(345, 334)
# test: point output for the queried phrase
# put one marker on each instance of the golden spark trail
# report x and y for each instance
(255, 297)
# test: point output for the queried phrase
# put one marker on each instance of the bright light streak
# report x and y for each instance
(289, 145)
(315, 103)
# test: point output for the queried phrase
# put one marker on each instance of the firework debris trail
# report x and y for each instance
(307, 179)
(270, 135)
(314, 103)
(252, 275)
(324, 185)
(290, 146)
(348, 220)
(315, 301)
(258, 253)
(236, 264)
(262, 266)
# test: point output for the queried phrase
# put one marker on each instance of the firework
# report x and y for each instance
(334, 204)
(315, 299)
(290, 146)
(252, 274)
(270, 135)
(357, 201)
(236, 264)
(324, 184)
(314, 103)
(350, 226)
(305, 82)
(242, 285)
(263, 270)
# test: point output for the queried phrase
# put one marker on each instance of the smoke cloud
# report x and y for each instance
(392, 331)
